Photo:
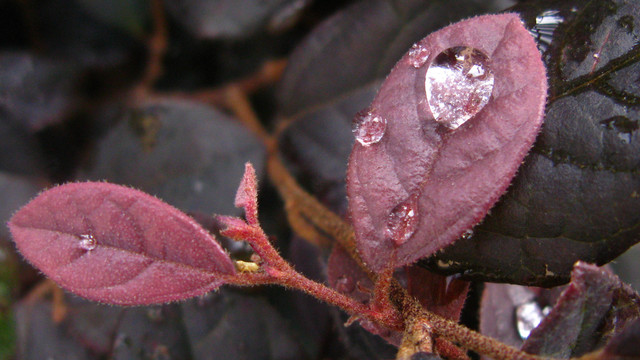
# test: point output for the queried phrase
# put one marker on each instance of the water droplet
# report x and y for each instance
(88, 242)
(528, 316)
(418, 55)
(458, 85)
(368, 127)
(546, 24)
(467, 234)
(403, 221)
(345, 285)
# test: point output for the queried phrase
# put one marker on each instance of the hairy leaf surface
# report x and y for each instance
(577, 196)
(118, 245)
(446, 179)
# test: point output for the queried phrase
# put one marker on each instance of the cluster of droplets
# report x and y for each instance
(88, 242)
(403, 221)
(368, 127)
(458, 84)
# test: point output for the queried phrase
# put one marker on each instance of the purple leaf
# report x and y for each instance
(578, 187)
(118, 245)
(593, 308)
(185, 152)
(428, 179)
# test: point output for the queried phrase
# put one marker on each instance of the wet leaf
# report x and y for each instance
(430, 179)
(576, 197)
(335, 73)
(592, 309)
(187, 153)
(118, 245)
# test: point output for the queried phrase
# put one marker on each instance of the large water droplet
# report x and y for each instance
(528, 317)
(368, 127)
(88, 242)
(458, 85)
(403, 221)
(418, 55)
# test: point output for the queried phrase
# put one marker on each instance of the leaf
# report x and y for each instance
(16, 191)
(592, 309)
(232, 325)
(419, 188)
(118, 245)
(35, 91)
(624, 345)
(509, 312)
(38, 337)
(185, 152)
(214, 19)
(336, 71)
(576, 196)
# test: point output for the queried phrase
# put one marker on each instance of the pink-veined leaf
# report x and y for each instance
(114, 244)
(425, 182)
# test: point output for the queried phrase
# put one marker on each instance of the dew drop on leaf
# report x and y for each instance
(458, 85)
(528, 317)
(403, 221)
(418, 55)
(88, 242)
(369, 128)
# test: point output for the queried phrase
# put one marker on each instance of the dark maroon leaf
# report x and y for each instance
(35, 91)
(155, 332)
(67, 30)
(510, 312)
(118, 245)
(438, 294)
(211, 19)
(593, 308)
(427, 180)
(38, 337)
(187, 153)
(231, 325)
(16, 191)
(624, 345)
(576, 197)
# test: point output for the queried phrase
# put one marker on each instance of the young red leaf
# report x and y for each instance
(118, 245)
(462, 108)
(247, 195)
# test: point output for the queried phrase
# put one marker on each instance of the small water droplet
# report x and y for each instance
(467, 234)
(458, 84)
(528, 317)
(368, 127)
(88, 242)
(403, 221)
(345, 285)
(418, 55)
